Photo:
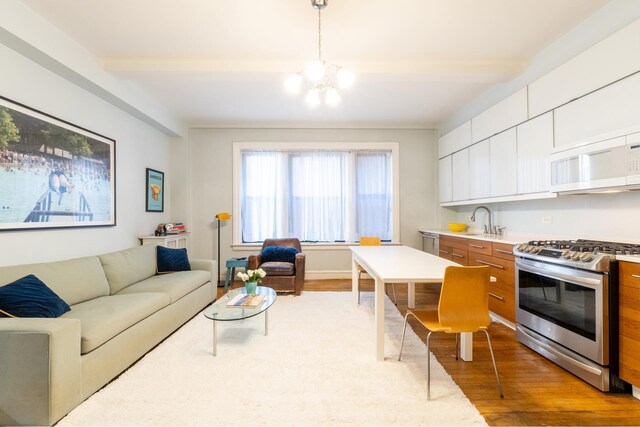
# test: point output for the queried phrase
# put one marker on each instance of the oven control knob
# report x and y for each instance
(520, 247)
(529, 248)
(586, 257)
(567, 254)
(576, 256)
(535, 249)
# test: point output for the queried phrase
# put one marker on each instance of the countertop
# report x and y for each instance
(507, 237)
(630, 258)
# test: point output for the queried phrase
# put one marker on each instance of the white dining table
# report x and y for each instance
(399, 264)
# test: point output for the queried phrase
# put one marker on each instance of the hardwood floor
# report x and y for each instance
(536, 391)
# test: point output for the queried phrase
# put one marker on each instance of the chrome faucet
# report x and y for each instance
(487, 229)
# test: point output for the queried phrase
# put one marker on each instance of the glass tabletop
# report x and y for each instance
(220, 311)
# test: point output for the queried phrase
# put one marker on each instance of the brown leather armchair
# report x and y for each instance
(281, 276)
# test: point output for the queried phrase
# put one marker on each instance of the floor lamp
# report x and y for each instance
(222, 216)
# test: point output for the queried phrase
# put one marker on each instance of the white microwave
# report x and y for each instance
(606, 164)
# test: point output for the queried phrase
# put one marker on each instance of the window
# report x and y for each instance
(318, 195)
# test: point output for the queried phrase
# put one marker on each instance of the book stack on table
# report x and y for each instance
(246, 301)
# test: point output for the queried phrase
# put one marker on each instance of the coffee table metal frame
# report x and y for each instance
(218, 311)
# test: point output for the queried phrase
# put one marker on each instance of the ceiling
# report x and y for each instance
(224, 61)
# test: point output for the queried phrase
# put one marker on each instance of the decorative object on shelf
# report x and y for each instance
(222, 216)
(54, 174)
(320, 74)
(456, 226)
(155, 191)
(251, 279)
(161, 230)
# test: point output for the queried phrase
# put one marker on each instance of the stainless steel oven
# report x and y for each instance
(566, 307)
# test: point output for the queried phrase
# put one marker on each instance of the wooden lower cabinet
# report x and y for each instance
(499, 257)
(629, 293)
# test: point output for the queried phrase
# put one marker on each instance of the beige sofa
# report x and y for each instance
(120, 309)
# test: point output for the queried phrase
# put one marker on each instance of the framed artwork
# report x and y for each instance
(53, 174)
(155, 191)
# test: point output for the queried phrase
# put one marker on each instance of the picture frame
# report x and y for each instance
(53, 173)
(154, 191)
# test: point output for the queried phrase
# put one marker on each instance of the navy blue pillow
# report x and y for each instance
(30, 297)
(279, 254)
(172, 260)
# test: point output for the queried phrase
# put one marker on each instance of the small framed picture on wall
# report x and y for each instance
(155, 191)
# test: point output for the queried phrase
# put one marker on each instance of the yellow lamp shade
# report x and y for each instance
(223, 216)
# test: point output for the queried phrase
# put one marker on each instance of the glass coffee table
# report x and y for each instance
(220, 312)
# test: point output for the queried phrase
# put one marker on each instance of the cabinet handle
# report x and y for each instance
(496, 297)
(443, 252)
(502, 251)
(476, 246)
(501, 267)
(457, 255)
(636, 276)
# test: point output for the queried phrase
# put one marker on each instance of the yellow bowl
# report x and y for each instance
(455, 226)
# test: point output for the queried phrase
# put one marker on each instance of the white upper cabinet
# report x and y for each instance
(460, 174)
(479, 170)
(504, 163)
(609, 112)
(504, 115)
(455, 140)
(535, 143)
(611, 59)
(444, 179)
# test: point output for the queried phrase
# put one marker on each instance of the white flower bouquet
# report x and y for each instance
(252, 275)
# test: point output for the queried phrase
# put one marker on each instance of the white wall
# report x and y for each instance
(137, 146)
(209, 154)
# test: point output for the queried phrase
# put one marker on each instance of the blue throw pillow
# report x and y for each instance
(279, 254)
(170, 260)
(30, 297)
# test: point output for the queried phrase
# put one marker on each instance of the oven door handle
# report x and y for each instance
(585, 281)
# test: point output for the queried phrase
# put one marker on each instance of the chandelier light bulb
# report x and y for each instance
(293, 83)
(331, 97)
(313, 98)
(315, 70)
(345, 78)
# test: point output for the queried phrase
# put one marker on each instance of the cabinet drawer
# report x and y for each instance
(460, 256)
(502, 303)
(503, 250)
(630, 360)
(445, 252)
(501, 269)
(454, 242)
(629, 274)
(479, 246)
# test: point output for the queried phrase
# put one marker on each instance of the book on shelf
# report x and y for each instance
(246, 300)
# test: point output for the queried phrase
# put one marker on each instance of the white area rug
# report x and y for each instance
(316, 367)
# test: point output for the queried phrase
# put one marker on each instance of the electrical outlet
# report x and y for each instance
(547, 219)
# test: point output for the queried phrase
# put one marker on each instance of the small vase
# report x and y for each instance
(251, 287)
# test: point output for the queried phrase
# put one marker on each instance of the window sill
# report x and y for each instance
(306, 247)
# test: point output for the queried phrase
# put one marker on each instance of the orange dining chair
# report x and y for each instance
(373, 241)
(463, 307)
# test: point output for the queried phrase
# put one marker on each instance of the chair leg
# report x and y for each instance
(494, 364)
(359, 273)
(428, 367)
(404, 330)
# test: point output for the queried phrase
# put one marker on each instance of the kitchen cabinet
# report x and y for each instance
(629, 317)
(454, 249)
(613, 58)
(504, 163)
(505, 114)
(534, 144)
(460, 175)
(445, 184)
(591, 117)
(479, 170)
(456, 140)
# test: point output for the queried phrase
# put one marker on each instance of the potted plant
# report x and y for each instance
(251, 279)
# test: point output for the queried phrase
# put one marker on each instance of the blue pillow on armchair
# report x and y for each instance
(30, 297)
(279, 254)
(170, 260)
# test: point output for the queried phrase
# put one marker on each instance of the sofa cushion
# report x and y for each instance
(126, 267)
(75, 280)
(103, 318)
(29, 297)
(176, 285)
(279, 254)
(274, 268)
(169, 260)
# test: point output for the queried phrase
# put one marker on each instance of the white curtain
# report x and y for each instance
(319, 196)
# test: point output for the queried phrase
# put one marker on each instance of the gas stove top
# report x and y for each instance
(583, 254)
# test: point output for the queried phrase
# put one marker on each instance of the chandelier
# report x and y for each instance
(320, 75)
